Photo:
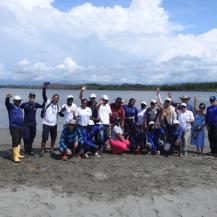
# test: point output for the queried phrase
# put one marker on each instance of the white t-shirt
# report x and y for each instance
(51, 114)
(84, 116)
(141, 116)
(104, 112)
(116, 130)
(70, 112)
(183, 118)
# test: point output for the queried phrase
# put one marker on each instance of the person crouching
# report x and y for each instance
(71, 141)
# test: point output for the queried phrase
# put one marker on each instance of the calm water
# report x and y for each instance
(138, 95)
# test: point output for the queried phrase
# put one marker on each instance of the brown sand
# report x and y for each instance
(125, 185)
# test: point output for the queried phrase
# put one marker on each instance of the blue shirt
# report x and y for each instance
(211, 115)
(70, 137)
(30, 109)
(177, 132)
(130, 112)
(15, 114)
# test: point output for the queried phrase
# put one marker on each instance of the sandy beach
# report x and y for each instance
(125, 185)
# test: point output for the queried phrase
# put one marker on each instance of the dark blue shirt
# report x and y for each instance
(211, 115)
(130, 112)
(15, 114)
(30, 109)
(177, 132)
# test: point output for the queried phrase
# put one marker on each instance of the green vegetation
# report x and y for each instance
(172, 87)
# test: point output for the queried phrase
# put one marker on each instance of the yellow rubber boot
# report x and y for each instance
(15, 155)
(20, 156)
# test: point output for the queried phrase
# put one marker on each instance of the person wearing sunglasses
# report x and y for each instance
(198, 131)
(29, 128)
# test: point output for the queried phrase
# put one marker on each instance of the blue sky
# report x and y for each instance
(139, 41)
(198, 15)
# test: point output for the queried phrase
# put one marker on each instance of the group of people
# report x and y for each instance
(163, 127)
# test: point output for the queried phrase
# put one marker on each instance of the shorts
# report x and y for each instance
(52, 130)
(16, 134)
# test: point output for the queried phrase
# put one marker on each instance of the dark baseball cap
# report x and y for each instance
(212, 98)
(32, 94)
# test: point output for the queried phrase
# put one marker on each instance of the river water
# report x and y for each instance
(138, 95)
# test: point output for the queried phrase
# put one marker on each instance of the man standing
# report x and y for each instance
(29, 129)
(186, 118)
(69, 110)
(16, 125)
(211, 123)
(152, 113)
(50, 117)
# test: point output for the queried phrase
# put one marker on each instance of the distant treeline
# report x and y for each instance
(170, 87)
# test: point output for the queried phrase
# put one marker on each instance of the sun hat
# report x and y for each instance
(17, 97)
(185, 98)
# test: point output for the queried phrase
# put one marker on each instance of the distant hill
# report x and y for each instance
(92, 86)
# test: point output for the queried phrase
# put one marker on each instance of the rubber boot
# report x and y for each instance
(15, 155)
(19, 155)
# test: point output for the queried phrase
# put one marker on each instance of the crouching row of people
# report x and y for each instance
(77, 141)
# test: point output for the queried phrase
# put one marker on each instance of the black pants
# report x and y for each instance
(212, 134)
(16, 135)
(29, 133)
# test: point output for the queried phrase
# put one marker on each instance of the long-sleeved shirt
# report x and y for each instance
(70, 137)
(30, 109)
(186, 119)
(131, 112)
(15, 114)
(89, 134)
(211, 115)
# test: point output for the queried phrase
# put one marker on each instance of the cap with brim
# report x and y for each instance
(91, 123)
(72, 122)
(153, 101)
(185, 98)
(105, 97)
(92, 95)
(175, 122)
(151, 123)
(212, 98)
(183, 105)
(31, 94)
(118, 100)
(168, 100)
(70, 97)
(18, 98)
(143, 103)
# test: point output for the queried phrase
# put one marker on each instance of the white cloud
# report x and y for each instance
(113, 44)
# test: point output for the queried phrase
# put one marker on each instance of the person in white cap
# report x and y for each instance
(141, 114)
(71, 141)
(186, 118)
(16, 122)
(104, 114)
(152, 113)
(91, 103)
(69, 110)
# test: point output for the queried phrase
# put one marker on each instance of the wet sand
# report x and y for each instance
(125, 185)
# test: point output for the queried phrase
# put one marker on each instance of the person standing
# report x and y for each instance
(16, 122)
(198, 131)
(69, 110)
(104, 114)
(29, 129)
(50, 114)
(211, 123)
(186, 119)
(152, 113)
(141, 114)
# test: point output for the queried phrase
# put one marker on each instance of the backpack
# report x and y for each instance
(43, 110)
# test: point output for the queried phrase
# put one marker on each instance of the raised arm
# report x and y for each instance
(159, 99)
(44, 92)
(7, 100)
(195, 104)
(81, 94)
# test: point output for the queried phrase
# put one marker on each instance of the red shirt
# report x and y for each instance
(117, 112)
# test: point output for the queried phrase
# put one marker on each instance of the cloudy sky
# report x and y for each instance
(121, 41)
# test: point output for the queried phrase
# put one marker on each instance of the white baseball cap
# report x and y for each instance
(70, 97)
(151, 123)
(17, 98)
(92, 95)
(168, 99)
(153, 101)
(105, 97)
(183, 105)
(144, 103)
